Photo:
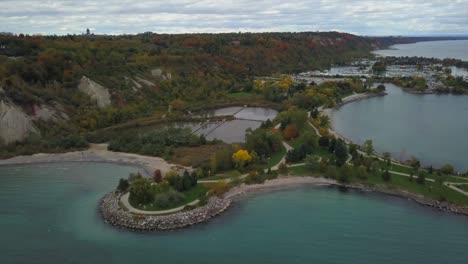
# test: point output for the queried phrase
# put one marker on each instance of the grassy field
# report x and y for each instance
(276, 157)
(430, 190)
(194, 156)
(225, 175)
(301, 171)
(463, 187)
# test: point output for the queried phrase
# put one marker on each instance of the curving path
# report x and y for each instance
(124, 201)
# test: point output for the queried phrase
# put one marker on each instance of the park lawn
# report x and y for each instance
(429, 189)
(456, 179)
(221, 176)
(302, 171)
(276, 157)
(322, 152)
(297, 142)
(408, 170)
(189, 196)
(463, 187)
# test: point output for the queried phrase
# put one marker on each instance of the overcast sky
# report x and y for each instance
(386, 17)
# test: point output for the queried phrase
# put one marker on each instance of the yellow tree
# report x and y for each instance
(285, 82)
(241, 158)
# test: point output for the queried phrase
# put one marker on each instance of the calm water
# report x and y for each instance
(48, 215)
(457, 49)
(232, 131)
(432, 128)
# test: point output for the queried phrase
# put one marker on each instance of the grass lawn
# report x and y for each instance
(429, 189)
(455, 179)
(407, 170)
(302, 171)
(296, 142)
(189, 196)
(276, 157)
(463, 187)
(225, 175)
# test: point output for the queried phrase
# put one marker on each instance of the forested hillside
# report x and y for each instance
(60, 88)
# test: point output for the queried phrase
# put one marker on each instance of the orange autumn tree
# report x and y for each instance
(241, 158)
(290, 132)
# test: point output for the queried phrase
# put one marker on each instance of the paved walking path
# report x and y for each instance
(124, 201)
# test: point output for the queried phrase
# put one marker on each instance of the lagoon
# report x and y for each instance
(48, 214)
(430, 127)
(232, 131)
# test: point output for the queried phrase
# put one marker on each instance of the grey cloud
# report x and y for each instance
(365, 17)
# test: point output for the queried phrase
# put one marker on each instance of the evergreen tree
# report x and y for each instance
(341, 152)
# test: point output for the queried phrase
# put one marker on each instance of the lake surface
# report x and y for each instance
(432, 128)
(457, 49)
(48, 215)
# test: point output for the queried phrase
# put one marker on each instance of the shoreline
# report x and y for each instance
(114, 214)
(97, 153)
(348, 99)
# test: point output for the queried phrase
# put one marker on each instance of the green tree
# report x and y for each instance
(368, 147)
(186, 181)
(421, 177)
(140, 191)
(447, 169)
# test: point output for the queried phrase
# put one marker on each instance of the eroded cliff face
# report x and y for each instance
(96, 91)
(15, 124)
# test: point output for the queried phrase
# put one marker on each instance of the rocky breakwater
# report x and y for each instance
(114, 214)
(440, 205)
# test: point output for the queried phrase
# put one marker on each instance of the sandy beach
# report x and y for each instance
(279, 183)
(98, 153)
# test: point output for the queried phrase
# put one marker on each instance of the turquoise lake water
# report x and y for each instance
(432, 128)
(48, 214)
(457, 49)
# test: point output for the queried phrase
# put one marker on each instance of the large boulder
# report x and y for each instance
(96, 91)
(15, 125)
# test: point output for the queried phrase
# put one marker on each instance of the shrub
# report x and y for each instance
(290, 132)
(447, 169)
(421, 177)
(123, 185)
(386, 176)
(331, 172)
(345, 173)
(157, 177)
(312, 162)
(361, 172)
(324, 142)
(254, 178)
(283, 168)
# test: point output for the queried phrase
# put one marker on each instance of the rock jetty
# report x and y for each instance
(114, 214)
